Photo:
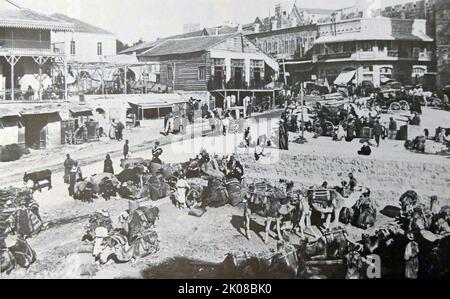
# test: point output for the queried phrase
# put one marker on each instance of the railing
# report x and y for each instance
(29, 46)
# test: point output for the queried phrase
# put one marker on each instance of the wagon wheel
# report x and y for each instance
(395, 107)
(404, 105)
(437, 102)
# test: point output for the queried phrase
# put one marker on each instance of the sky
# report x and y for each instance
(131, 20)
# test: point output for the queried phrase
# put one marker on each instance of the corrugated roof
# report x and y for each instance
(185, 45)
(80, 26)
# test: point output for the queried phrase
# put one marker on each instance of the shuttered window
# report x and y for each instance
(201, 73)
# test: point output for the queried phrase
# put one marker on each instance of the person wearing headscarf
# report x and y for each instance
(108, 165)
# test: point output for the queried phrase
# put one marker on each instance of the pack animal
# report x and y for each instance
(267, 202)
(37, 177)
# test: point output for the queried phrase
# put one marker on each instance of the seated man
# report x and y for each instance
(365, 150)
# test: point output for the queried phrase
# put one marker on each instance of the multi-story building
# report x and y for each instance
(436, 12)
(286, 44)
(26, 49)
(223, 65)
(87, 43)
(372, 49)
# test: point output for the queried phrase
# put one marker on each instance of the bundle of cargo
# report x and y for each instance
(19, 212)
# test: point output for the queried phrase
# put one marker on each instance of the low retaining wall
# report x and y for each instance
(387, 180)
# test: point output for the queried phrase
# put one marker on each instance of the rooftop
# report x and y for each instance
(80, 26)
(15, 16)
(185, 45)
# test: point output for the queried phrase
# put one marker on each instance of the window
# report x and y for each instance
(72, 48)
(99, 49)
(201, 73)
(169, 73)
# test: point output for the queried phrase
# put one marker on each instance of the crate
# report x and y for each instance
(367, 132)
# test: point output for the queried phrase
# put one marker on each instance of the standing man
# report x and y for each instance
(108, 165)
(126, 150)
(392, 129)
(157, 152)
(67, 167)
(247, 137)
(75, 175)
(377, 131)
(119, 131)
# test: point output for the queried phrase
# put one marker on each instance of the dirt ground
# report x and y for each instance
(390, 171)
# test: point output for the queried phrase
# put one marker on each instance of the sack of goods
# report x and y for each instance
(234, 190)
(158, 188)
(15, 251)
(19, 212)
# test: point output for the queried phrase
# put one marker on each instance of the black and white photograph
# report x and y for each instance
(234, 140)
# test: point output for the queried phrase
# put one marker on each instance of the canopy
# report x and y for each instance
(345, 78)
(81, 111)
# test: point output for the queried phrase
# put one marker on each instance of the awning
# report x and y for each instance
(345, 78)
(81, 111)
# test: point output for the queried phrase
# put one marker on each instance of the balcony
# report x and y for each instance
(29, 47)
(421, 56)
(376, 55)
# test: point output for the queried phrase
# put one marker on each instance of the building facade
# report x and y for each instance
(86, 44)
(219, 64)
(288, 44)
(373, 49)
(436, 12)
(26, 51)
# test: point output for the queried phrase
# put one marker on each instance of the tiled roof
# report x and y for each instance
(15, 17)
(185, 45)
(80, 26)
(148, 45)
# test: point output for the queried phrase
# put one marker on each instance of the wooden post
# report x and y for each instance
(40, 82)
(12, 78)
(125, 80)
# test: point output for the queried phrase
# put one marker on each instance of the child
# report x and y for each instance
(411, 259)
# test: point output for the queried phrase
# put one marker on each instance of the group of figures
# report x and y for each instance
(19, 220)
(134, 237)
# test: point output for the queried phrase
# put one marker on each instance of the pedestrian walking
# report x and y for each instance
(68, 163)
(126, 150)
(377, 131)
(108, 165)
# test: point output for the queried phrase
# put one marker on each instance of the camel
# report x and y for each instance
(271, 204)
(339, 203)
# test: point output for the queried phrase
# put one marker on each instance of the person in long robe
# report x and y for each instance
(283, 136)
(68, 163)
(108, 165)
(182, 187)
